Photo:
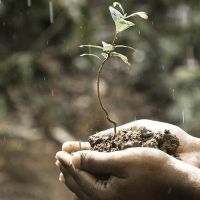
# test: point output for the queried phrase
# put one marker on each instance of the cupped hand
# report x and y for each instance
(188, 150)
(135, 173)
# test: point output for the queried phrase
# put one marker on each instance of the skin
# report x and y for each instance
(135, 173)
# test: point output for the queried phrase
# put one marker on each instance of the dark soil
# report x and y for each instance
(141, 138)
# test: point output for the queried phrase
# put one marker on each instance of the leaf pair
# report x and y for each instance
(105, 55)
(108, 49)
(119, 18)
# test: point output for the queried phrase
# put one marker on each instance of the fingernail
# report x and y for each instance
(57, 163)
(61, 178)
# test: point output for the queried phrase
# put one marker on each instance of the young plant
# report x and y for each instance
(121, 24)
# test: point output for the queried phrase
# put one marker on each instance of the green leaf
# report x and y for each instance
(122, 25)
(88, 54)
(124, 58)
(118, 4)
(141, 14)
(105, 55)
(93, 46)
(125, 47)
(116, 15)
(107, 47)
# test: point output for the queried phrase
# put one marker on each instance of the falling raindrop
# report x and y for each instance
(139, 31)
(44, 79)
(0, 1)
(28, 2)
(163, 67)
(52, 93)
(173, 94)
(51, 12)
(183, 115)
(47, 42)
(64, 41)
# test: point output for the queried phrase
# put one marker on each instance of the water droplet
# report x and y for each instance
(183, 115)
(28, 2)
(51, 12)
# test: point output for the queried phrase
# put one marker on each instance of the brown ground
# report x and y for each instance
(28, 170)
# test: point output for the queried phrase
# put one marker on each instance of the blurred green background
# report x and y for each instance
(48, 92)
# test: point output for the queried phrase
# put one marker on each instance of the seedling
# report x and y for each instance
(108, 50)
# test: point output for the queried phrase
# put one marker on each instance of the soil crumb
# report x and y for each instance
(143, 137)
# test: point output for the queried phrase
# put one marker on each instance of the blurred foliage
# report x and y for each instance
(44, 83)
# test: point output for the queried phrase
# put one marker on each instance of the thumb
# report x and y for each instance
(112, 163)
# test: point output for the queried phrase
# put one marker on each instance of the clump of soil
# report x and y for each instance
(141, 138)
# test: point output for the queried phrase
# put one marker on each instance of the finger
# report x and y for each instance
(64, 159)
(112, 163)
(70, 175)
(74, 182)
(74, 146)
(61, 178)
(57, 163)
(82, 183)
(149, 124)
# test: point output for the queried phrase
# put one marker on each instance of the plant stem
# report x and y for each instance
(113, 42)
(99, 97)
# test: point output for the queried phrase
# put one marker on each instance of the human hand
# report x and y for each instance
(141, 169)
(135, 173)
(188, 150)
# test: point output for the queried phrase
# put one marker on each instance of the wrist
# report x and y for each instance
(182, 181)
